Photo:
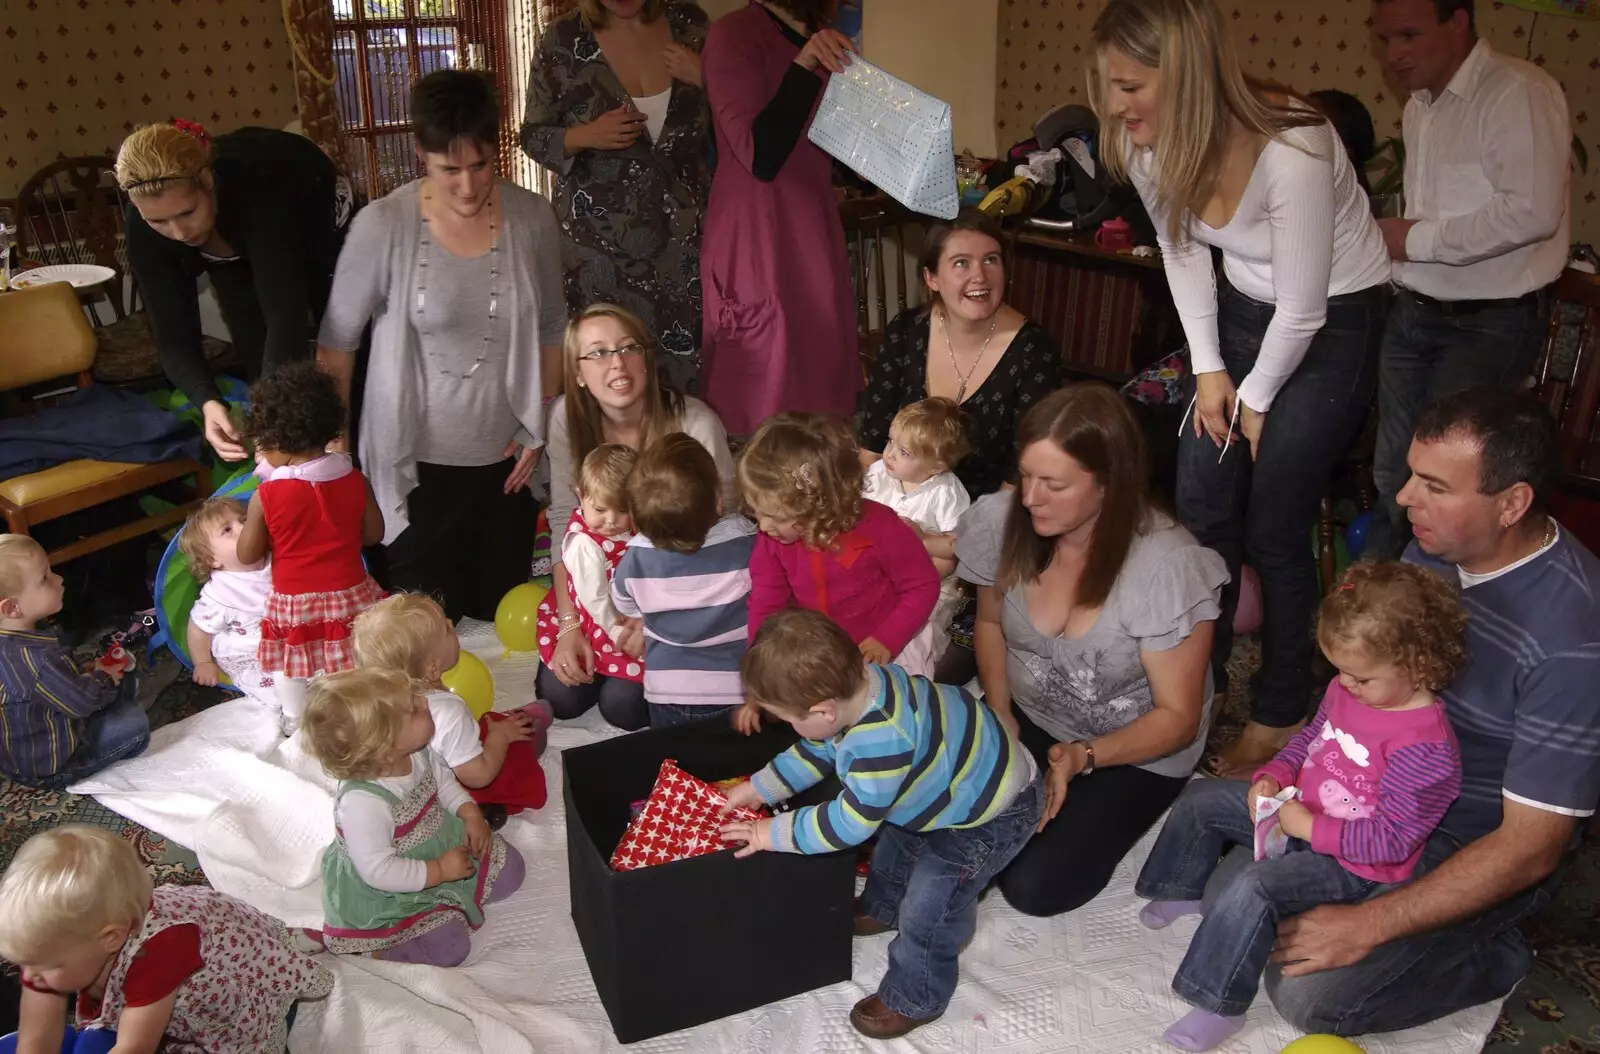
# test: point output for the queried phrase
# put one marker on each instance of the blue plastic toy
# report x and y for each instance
(1355, 535)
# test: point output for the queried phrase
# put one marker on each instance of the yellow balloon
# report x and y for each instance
(471, 680)
(516, 617)
(1322, 1045)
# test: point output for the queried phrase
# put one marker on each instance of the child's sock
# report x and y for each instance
(1201, 1030)
(1159, 914)
(291, 693)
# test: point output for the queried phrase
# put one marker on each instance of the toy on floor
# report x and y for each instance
(1321, 1044)
(471, 680)
(73, 1041)
(516, 617)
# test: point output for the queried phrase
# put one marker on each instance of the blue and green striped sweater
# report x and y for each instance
(924, 756)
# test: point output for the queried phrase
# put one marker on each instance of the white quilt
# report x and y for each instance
(1092, 981)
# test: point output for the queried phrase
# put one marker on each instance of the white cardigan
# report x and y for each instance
(1303, 232)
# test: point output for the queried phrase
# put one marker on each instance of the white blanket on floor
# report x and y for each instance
(1093, 980)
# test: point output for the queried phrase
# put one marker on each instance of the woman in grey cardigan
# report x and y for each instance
(460, 276)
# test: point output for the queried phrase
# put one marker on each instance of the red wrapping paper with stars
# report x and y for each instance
(681, 819)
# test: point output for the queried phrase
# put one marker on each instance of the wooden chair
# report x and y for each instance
(71, 211)
(869, 225)
(1568, 378)
(44, 335)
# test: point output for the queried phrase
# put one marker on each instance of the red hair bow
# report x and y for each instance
(193, 128)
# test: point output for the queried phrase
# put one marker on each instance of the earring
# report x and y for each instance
(582, 385)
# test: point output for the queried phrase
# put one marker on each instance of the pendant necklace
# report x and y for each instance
(961, 389)
(423, 249)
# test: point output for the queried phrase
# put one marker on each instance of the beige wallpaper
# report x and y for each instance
(1043, 51)
(77, 75)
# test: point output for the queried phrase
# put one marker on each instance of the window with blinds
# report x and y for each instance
(382, 47)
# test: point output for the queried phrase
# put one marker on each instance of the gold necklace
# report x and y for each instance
(961, 389)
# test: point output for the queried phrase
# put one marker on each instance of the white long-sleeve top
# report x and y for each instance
(367, 825)
(1488, 180)
(1303, 232)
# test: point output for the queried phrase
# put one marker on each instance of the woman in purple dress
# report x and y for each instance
(779, 330)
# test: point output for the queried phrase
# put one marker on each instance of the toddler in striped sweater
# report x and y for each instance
(932, 772)
(1374, 772)
(686, 575)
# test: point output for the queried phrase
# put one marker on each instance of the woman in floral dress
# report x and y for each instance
(617, 113)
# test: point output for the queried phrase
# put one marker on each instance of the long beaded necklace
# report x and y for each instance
(494, 285)
(961, 389)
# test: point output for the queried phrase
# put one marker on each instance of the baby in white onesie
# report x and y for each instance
(926, 440)
(225, 622)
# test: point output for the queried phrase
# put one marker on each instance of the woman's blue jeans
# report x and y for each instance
(1262, 511)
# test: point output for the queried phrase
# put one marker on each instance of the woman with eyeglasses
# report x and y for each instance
(459, 274)
(262, 213)
(612, 395)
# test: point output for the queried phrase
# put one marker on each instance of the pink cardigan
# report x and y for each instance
(877, 581)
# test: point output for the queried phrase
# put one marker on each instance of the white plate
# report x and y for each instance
(80, 276)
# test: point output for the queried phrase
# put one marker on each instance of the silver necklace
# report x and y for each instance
(961, 389)
(494, 286)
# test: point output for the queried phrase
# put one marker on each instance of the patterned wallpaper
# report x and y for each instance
(1044, 51)
(77, 75)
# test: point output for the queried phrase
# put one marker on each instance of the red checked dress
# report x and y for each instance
(314, 514)
(609, 660)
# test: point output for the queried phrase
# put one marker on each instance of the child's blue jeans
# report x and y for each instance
(927, 886)
(1221, 971)
(665, 715)
(119, 731)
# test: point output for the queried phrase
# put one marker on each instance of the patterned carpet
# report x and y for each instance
(1556, 1010)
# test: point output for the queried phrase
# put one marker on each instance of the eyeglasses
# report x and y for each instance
(627, 351)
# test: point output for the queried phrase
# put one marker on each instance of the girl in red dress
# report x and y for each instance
(313, 512)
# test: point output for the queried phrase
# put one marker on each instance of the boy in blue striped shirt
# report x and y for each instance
(928, 769)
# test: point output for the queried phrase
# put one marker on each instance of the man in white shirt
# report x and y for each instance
(1486, 226)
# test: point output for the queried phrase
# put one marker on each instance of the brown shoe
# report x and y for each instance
(867, 926)
(1256, 745)
(876, 1021)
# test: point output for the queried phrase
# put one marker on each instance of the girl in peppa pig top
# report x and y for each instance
(1373, 773)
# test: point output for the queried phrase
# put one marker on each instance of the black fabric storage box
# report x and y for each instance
(692, 941)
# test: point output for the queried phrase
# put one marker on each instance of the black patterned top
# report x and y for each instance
(1028, 370)
(631, 218)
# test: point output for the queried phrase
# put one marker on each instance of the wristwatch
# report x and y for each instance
(1088, 752)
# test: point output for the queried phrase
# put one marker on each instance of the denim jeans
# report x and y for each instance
(1419, 979)
(1221, 971)
(1263, 510)
(1427, 355)
(621, 701)
(927, 886)
(665, 715)
(119, 731)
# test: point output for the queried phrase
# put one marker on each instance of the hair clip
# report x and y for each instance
(1346, 585)
(806, 476)
(193, 128)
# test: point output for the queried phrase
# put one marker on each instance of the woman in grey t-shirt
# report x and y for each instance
(1093, 638)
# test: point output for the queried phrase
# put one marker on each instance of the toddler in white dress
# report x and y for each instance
(914, 478)
(225, 622)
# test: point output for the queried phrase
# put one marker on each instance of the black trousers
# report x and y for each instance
(1067, 864)
(468, 542)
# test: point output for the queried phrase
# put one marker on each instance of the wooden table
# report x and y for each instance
(1110, 312)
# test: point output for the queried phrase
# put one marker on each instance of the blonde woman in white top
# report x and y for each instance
(1285, 351)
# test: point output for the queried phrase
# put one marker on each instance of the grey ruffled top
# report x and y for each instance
(1096, 683)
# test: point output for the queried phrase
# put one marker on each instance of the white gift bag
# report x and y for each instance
(892, 135)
